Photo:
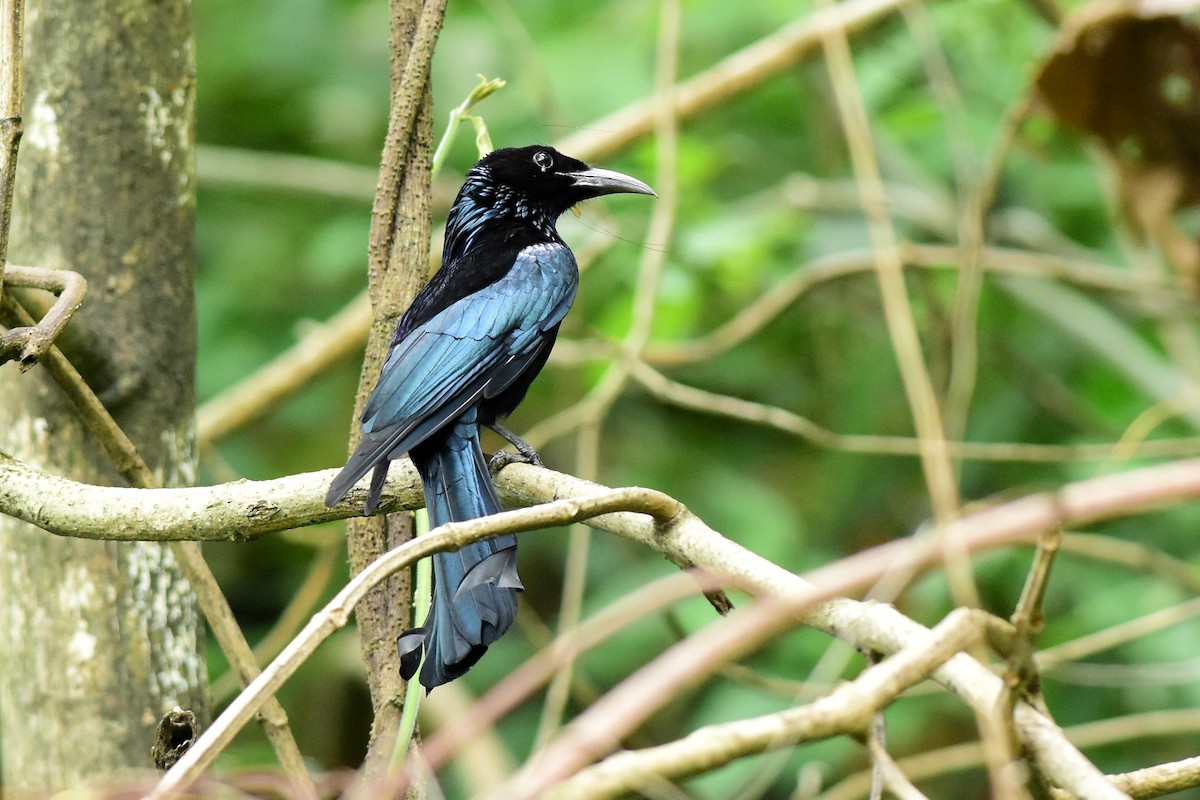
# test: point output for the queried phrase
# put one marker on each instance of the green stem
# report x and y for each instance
(483, 141)
(422, 598)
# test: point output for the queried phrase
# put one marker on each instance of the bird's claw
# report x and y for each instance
(502, 458)
(525, 453)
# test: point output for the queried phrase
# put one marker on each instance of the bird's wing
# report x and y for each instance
(471, 347)
(448, 362)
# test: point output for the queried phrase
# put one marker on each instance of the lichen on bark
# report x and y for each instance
(98, 640)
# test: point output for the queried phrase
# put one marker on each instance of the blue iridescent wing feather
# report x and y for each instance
(473, 348)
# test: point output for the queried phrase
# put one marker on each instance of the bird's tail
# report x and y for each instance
(475, 588)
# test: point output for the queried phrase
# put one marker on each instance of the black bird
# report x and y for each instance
(462, 358)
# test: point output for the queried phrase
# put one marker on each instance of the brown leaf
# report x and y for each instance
(1129, 75)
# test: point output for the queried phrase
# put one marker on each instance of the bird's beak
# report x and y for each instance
(606, 181)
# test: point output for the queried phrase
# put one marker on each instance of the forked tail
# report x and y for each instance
(474, 589)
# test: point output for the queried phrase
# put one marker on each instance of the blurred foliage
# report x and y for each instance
(310, 77)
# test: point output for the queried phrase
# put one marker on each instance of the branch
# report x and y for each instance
(1006, 261)
(236, 511)
(397, 254)
(129, 463)
(244, 510)
(327, 343)
(681, 536)
(780, 419)
(733, 75)
(847, 709)
(1116, 635)
(29, 343)
(284, 172)
(1160, 780)
(524, 681)
(12, 97)
(1129, 728)
(893, 778)
(666, 513)
(880, 627)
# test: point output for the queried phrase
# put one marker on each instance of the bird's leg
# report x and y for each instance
(525, 453)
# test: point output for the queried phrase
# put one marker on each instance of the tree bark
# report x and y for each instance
(398, 255)
(99, 640)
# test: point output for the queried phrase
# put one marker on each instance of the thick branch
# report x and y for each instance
(679, 535)
(248, 509)
(251, 508)
(228, 512)
(397, 250)
(665, 512)
(126, 458)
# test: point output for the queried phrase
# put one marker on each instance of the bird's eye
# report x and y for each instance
(543, 160)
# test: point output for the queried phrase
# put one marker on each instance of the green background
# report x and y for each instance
(310, 77)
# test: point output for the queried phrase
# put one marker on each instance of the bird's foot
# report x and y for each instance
(502, 458)
(525, 453)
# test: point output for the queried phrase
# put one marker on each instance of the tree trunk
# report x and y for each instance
(98, 640)
(399, 254)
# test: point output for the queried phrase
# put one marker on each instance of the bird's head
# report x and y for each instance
(543, 180)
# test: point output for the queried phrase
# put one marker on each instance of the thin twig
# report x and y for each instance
(1119, 635)
(574, 585)
(1185, 403)
(945, 92)
(333, 340)
(485, 759)
(1130, 728)
(232, 167)
(462, 113)
(298, 610)
(898, 313)
(1104, 334)
(28, 342)
(733, 75)
(893, 777)
(1160, 675)
(1134, 556)
(760, 312)
(690, 397)
(972, 236)
(877, 744)
(849, 708)
(1028, 618)
(599, 400)
(536, 671)
(1021, 677)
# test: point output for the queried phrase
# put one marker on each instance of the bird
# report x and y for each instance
(462, 358)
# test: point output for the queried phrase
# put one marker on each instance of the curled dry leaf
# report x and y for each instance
(1129, 74)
